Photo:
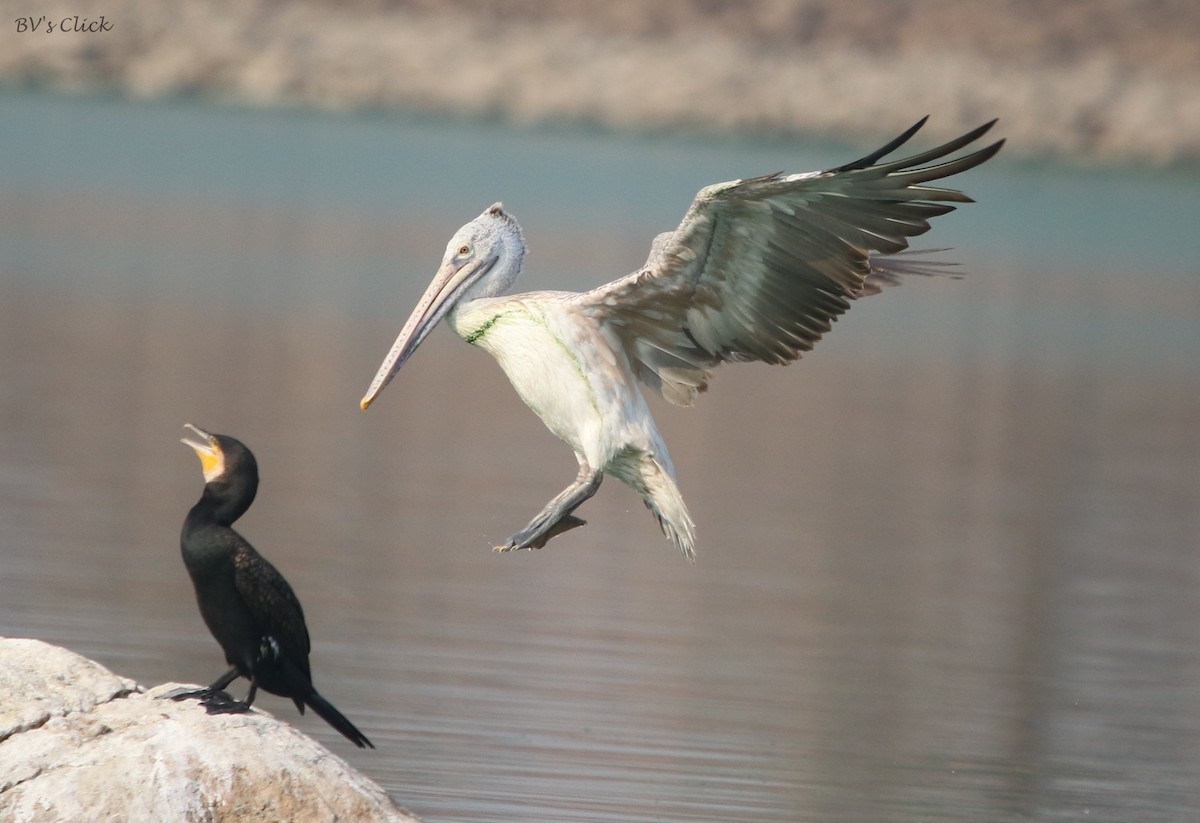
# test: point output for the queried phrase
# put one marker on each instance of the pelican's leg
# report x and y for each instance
(556, 517)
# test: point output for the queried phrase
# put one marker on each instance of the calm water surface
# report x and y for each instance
(948, 564)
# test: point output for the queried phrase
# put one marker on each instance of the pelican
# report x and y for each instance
(757, 271)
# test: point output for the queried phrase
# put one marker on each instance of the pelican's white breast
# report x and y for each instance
(560, 364)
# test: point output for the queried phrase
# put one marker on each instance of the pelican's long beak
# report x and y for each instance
(448, 286)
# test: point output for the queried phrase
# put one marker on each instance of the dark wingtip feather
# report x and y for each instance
(931, 172)
(883, 151)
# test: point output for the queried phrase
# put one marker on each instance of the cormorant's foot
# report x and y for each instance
(214, 701)
(532, 537)
(186, 694)
(219, 702)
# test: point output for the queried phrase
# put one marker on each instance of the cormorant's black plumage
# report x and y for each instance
(248, 606)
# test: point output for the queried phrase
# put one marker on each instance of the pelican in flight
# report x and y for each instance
(757, 270)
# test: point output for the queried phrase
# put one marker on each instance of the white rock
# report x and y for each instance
(79, 743)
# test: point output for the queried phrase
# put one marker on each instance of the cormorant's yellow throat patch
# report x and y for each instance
(212, 459)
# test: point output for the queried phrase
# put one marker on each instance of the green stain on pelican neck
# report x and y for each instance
(477, 335)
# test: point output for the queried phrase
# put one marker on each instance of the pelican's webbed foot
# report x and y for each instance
(529, 538)
(556, 517)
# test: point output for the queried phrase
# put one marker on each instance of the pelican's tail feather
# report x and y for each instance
(676, 523)
(651, 476)
(662, 498)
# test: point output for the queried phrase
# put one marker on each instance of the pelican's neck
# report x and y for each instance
(472, 319)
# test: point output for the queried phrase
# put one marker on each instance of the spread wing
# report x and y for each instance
(760, 268)
(273, 604)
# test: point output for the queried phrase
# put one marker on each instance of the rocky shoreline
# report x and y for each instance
(1091, 81)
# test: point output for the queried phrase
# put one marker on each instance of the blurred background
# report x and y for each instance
(948, 562)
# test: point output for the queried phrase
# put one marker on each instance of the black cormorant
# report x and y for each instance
(248, 606)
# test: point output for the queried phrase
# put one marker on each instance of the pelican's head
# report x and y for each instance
(482, 259)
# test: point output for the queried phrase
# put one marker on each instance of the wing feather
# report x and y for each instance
(273, 604)
(760, 268)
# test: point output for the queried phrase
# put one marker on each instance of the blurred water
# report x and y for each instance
(948, 563)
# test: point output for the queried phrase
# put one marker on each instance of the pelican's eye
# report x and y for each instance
(464, 250)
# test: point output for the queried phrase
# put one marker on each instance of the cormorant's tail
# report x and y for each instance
(333, 717)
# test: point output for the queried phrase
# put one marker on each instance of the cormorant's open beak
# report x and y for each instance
(212, 460)
(448, 286)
